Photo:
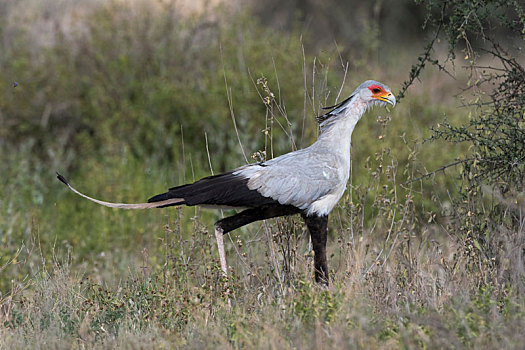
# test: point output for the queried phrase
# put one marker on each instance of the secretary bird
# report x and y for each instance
(308, 181)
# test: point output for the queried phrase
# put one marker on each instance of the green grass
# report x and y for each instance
(131, 102)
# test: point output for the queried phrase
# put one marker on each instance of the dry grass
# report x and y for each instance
(422, 296)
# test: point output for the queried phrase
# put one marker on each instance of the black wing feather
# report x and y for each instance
(224, 189)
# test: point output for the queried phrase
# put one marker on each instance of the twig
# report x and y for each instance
(443, 168)
(230, 104)
(423, 59)
(208, 152)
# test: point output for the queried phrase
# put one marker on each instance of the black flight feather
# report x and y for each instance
(224, 189)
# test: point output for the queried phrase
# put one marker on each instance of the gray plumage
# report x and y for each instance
(314, 179)
(298, 178)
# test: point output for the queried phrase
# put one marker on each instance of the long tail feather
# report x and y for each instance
(172, 201)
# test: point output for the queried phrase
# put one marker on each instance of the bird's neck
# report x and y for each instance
(336, 132)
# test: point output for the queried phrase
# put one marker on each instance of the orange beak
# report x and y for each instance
(386, 96)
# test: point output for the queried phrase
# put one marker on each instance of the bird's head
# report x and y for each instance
(373, 92)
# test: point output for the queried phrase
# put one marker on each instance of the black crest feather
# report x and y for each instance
(334, 110)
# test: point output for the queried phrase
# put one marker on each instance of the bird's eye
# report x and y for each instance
(376, 90)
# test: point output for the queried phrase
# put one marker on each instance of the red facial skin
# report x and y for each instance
(381, 91)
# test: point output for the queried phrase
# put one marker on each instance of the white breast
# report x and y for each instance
(324, 205)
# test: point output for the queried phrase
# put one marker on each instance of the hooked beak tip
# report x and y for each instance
(390, 98)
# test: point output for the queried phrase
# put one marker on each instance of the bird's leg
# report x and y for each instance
(318, 227)
(250, 215)
(219, 236)
(245, 217)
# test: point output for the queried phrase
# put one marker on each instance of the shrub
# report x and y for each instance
(488, 214)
